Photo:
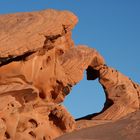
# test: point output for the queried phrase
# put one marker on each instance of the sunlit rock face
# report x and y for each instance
(39, 65)
(122, 96)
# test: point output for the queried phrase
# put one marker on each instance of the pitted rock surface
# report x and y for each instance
(39, 65)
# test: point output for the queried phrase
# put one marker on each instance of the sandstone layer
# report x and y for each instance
(39, 65)
(122, 97)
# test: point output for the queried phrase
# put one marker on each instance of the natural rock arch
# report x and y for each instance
(86, 97)
(39, 64)
(121, 92)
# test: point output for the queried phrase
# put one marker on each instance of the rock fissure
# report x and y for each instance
(7, 60)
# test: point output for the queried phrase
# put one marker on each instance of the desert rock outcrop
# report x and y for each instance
(122, 94)
(39, 65)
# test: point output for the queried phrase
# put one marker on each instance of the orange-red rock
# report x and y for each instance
(39, 65)
(122, 96)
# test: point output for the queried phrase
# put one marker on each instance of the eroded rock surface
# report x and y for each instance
(39, 65)
(122, 96)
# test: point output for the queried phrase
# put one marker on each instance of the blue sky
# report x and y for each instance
(110, 26)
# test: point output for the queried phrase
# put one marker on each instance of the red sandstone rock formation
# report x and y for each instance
(122, 94)
(39, 64)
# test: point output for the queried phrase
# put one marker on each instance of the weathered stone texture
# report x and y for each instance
(39, 65)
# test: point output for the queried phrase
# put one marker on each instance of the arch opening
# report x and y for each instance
(87, 97)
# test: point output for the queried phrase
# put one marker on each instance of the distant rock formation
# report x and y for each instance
(39, 64)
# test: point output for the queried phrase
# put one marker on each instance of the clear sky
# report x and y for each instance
(110, 26)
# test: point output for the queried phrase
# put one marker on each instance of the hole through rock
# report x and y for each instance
(86, 97)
